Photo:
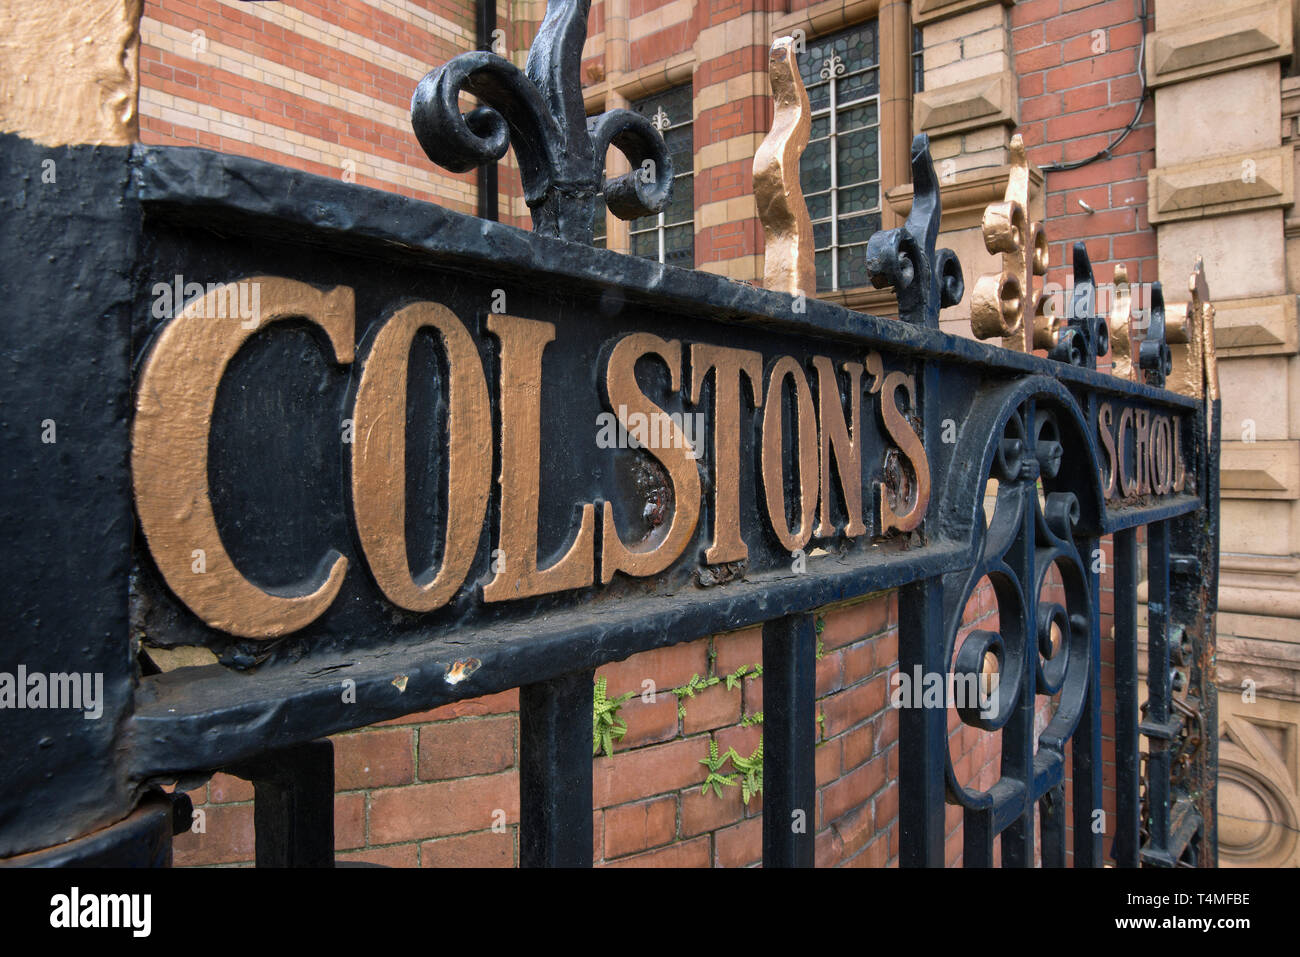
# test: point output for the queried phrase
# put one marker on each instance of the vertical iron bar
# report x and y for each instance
(487, 173)
(922, 732)
(977, 839)
(1086, 786)
(293, 806)
(1127, 795)
(1051, 817)
(1019, 733)
(789, 718)
(555, 780)
(1158, 691)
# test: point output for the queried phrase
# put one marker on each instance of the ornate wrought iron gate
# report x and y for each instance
(242, 527)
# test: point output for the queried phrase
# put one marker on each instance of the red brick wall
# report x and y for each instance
(442, 787)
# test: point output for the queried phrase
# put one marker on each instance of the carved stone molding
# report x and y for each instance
(1257, 179)
(927, 11)
(966, 194)
(1262, 326)
(972, 104)
(1259, 808)
(1260, 470)
(1218, 43)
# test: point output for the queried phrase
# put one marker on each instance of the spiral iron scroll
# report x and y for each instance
(539, 111)
(1041, 645)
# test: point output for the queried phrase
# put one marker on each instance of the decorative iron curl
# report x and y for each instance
(1084, 336)
(905, 258)
(1154, 357)
(540, 112)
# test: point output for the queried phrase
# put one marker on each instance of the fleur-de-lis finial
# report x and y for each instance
(924, 280)
(1082, 336)
(787, 228)
(1153, 352)
(540, 112)
(998, 305)
(660, 120)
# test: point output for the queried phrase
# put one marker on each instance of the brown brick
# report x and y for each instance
(502, 703)
(849, 707)
(372, 759)
(630, 828)
(738, 648)
(828, 760)
(859, 661)
(739, 845)
(349, 821)
(648, 723)
(855, 829)
(849, 623)
(708, 812)
(830, 673)
(660, 768)
(858, 745)
(227, 789)
(852, 790)
(455, 749)
(448, 807)
(228, 837)
(484, 849)
(666, 667)
(400, 855)
(711, 708)
(827, 848)
(694, 853)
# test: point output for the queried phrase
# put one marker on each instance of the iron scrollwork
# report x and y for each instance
(1084, 336)
(539, 111)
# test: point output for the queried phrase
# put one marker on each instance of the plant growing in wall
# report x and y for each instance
(606, 725)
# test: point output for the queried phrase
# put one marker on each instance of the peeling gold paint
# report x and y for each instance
(69, 71)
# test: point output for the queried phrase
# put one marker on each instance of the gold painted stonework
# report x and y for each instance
(787, 228)
(998, 305)
(69, 72)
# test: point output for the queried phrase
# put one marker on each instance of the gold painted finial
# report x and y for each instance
(1121, 311)
(999, 301)
(788, 264)
(1189, 329)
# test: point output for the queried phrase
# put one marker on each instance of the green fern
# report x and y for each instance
(734, 679)
(749, 720)
(714, 764)
(606, 725)
(751, 771)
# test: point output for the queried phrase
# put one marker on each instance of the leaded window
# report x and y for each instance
(840, 170)
(669, 237)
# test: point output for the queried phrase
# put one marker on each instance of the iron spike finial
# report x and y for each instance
(788, 264)
(539, 111)
(925, 280)
(1154, 358)
(1083, 336)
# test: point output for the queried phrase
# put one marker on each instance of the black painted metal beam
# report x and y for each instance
(555, 797)
(789, 725)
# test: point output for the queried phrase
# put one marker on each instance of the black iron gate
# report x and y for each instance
(233, 472)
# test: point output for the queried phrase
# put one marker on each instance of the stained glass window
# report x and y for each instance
(840, 170)
(669, 237)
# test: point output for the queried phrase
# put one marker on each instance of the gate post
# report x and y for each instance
(68, 252)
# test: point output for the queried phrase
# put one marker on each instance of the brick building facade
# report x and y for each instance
(325, 86)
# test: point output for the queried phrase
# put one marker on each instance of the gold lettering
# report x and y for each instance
(773, 457)
(1127, 484)
(379, 457)
(1180, 470)
(846, 441)
(1105, 420)
(1141, 445)
(661, 548)
(169, 458)
(728, 365)
(522, 342)
(909, 443)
